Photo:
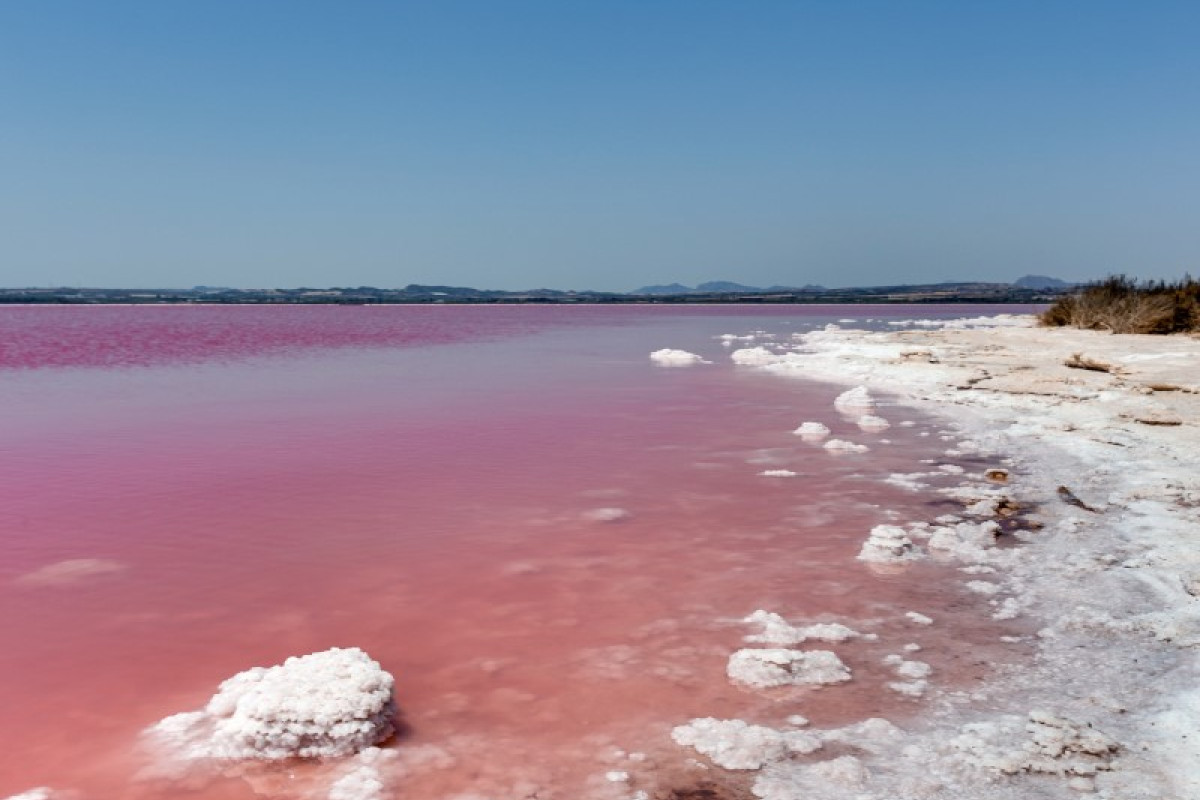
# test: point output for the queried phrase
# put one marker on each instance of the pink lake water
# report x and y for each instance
(187, 492)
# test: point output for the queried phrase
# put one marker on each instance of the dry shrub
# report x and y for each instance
(1122, 305)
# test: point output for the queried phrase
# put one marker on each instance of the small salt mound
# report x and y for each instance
(777, 631)
(888, 544)
(753, 356)
(872, 423)
(811, 431)
(778, 667)
(856, 400)
(842, 446)
(734, 744)
(328, 704)
(778, 473)
(611, 514)
(675, 358)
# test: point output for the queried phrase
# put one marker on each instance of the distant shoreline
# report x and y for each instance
(991, 293)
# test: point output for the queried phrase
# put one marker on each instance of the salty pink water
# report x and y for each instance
(254, 483)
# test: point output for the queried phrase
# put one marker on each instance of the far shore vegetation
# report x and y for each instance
(1123, 305)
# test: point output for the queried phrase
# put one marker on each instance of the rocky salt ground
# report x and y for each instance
(1103, 461)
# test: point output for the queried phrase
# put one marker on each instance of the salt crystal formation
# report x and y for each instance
(328, 704)
(675, 358)
(40, 793)
(776, 630)
(811, 431)
(888, 544)
(855, 401)
(771, 667)
(784, 780)
(734, 744)
(752, 356)
(1056, 746)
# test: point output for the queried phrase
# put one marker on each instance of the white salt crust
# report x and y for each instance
(734, 744)
(1111, 574)
(855, 401)
(889, 544)
(872, 423)
(776, 630)
(675, 358)
(812, 431)
(329, 704)
(770, 667)
(840, 446)
(752, 356)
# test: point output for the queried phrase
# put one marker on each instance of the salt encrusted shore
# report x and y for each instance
(1108, 460)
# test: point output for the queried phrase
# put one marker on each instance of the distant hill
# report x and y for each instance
(1041, 282)
(808, 287)
(717, 287)
(670, 288)
(722, 287)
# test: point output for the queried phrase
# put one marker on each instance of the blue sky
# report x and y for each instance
(595, 145)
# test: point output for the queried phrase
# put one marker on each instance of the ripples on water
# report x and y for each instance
(188, 492)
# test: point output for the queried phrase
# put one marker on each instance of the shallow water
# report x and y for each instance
(231, 486)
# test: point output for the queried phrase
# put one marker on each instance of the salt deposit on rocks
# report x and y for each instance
(675, 358)
(812, 431)
(771, 667)
(734, 744)
(889, 544)
(328, 704)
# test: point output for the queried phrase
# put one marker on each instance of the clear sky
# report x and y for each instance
(606, 144)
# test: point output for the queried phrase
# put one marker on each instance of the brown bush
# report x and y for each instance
(1122, 305)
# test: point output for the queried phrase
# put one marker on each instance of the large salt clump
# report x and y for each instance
(768, 667)
(328, 704)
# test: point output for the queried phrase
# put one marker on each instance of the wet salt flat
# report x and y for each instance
(549, 539)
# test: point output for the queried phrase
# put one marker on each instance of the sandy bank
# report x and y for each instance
(1107, 455)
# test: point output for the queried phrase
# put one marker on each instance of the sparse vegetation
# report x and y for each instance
(1123, 305)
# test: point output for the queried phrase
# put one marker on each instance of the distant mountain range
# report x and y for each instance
(1035, 282)
(722, 287)
(1028, 289)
